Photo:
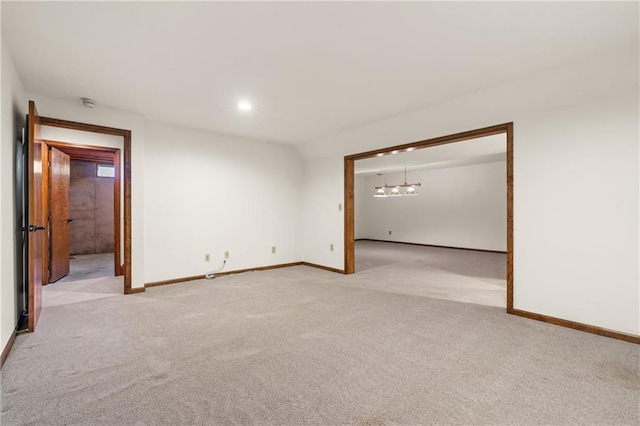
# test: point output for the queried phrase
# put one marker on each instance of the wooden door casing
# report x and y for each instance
(126, 198)
(59, 239)
(98, 154)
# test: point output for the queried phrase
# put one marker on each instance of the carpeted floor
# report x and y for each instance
(306, 346)
(451, 274)
(85, 266)
(90, 277)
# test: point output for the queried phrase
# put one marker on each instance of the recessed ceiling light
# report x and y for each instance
(380, 154)
(394, 152)
(245, 106)
(410, 149)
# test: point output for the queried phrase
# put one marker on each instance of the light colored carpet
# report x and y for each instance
(85, 266)
(302, 346)
(90, 277)
(451, 274)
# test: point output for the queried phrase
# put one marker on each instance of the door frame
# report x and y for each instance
(349, 203)
(126, 135)
(94, 153)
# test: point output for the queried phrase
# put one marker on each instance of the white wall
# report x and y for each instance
(208, 193)
(576, 188)
(14, 109)
(463, 206)
(73, 110)
(243, 197)
(576, 218)
(361, 188)
(322, 221)
(575, 183)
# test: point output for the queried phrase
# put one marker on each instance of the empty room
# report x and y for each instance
(294, 213)
(433, 221)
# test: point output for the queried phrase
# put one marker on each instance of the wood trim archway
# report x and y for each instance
(126, 135)
(349, 219)
(97, 154)
(507, 128)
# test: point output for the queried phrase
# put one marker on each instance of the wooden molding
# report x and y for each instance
(91, 153)
(117, 206)
(457, 137)
(349, 217)
(219, 274)
(127, 210)
(74, 125)
(7, 348)
(259, 268)
(134, 290)
(126, 135)
(509, 129)
(174, 281)
(46, 201)
(432, 245)
(326, 268)
(577, 326)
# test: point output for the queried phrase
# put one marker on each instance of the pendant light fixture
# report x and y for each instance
(411, 191)
(380, 193)
(380, 190)
(409, 188)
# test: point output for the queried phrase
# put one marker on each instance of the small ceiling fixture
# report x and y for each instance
(410, 188)
(88, 102)
(245, 106)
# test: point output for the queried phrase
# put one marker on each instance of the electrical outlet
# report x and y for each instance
(331, 247)
(389, 232)
(273, 250)
(226, 254)
(207, 257)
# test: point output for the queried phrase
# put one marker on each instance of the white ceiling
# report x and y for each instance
(310, 68)
(487, 149)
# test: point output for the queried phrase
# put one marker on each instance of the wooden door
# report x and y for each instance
(35, 209)
(59, 243)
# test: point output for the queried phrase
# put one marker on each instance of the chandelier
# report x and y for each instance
(396, 190)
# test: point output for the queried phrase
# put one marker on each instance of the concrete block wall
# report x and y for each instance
(91, 208)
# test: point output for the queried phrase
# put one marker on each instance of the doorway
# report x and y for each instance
(349, 191)
(82, 206)
(36, 227)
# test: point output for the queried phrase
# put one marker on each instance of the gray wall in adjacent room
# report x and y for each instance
(91, 208)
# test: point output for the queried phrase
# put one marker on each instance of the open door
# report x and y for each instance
(59, 183)
(35, 210)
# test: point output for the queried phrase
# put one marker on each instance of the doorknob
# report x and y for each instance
(34, 228)
(69, 220)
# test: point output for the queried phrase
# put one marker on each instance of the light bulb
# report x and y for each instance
(245, 106)
(411, 191)
(380, 193)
